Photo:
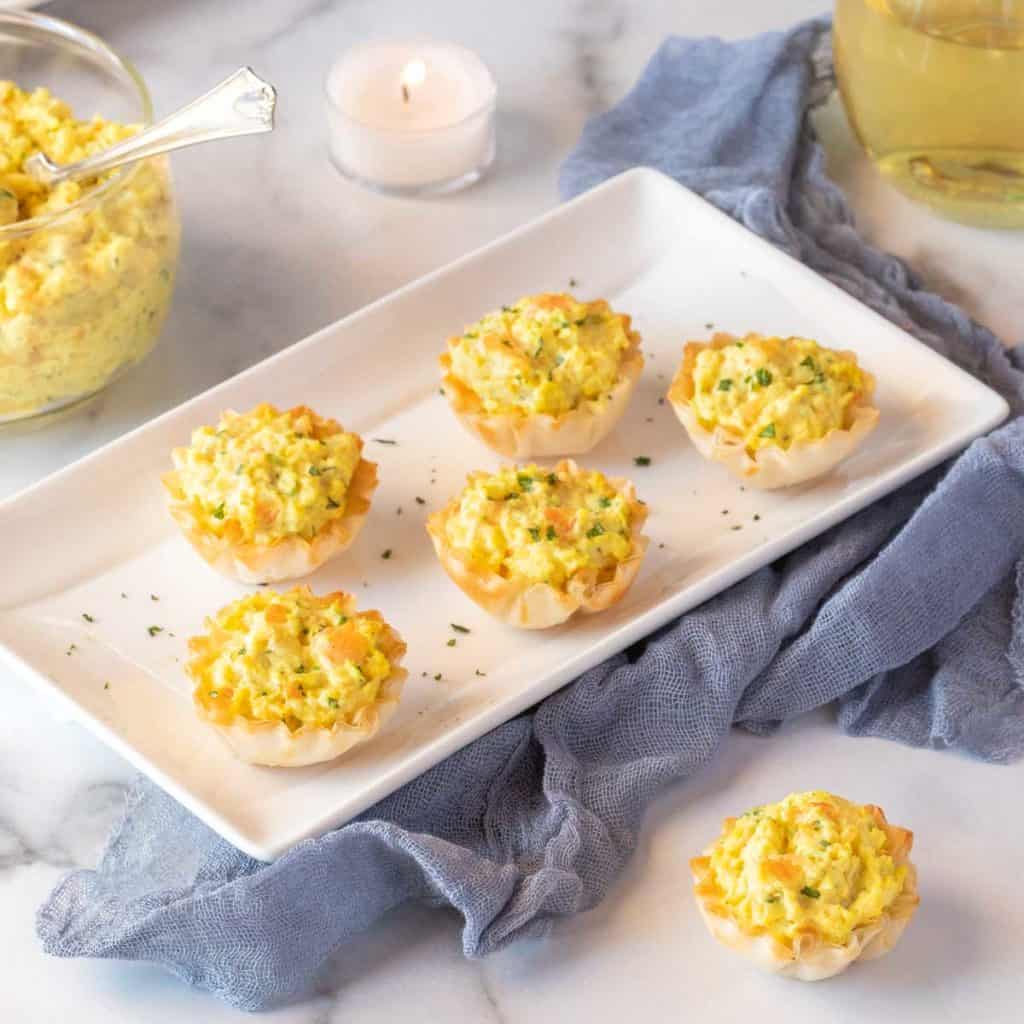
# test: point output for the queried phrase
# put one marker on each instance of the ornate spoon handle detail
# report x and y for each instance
(243, 104)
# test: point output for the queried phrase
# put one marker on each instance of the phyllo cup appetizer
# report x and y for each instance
(293, 679)
(807, 886)
(533, 546)
(270, 495)
(773, 411)
(546, 376)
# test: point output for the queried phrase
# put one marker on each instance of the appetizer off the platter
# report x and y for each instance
(809, 885)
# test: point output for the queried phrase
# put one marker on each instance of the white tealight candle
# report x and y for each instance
(411, 117)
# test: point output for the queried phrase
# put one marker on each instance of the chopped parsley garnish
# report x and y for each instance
(604, 501)
(315, 471)
(300, 670)
(214, 693)
(153, 630)
(342, 619)
(595, 531)
(573, 282)
(768, 431)
(420, 501)
(87, 617)
(331, 503)
(458, 628)
(477, 672)
(817, 825)
(534, 533)
(71, 649)
(218, 512)
(725, 384)
(524, 481)
(774, 898)
(552, 479)
(809, 363)
(332, 702)
(825, 844)
(153, 597)
(642, 460)
(437, 677)
(810, 892)
(451, 642)
(540, 348)
(106, 686)
(551, 534)
(757, 517)
(739, 344)
(384, 440)
(386, 554)
(764, 377)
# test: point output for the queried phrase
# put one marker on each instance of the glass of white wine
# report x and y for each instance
(934, 90)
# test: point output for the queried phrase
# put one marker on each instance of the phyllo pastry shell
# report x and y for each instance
(270, 495)
(290, 679)
(547, 376)
(533, 546)
(807, 886)
(774, 411)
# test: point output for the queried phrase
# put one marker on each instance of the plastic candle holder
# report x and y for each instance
(411, 117)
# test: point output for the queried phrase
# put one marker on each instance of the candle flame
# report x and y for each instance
(412, 75)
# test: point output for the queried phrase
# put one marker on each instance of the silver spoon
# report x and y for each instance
(243, 104)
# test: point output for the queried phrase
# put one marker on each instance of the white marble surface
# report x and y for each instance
(276, 246)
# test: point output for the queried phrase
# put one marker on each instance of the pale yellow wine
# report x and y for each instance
(935, 92)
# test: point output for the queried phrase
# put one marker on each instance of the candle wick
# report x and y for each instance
(405, 93)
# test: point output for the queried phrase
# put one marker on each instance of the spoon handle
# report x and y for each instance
(243, 104)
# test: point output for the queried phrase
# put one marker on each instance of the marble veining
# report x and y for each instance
(275, 246)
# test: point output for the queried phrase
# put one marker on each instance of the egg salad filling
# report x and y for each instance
(775, 391)
(86, 294)
(293, 658)
(814, 861)
(268, 474)
(546, 354)
(541, 525)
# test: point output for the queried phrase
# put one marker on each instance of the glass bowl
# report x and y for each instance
(84, 290)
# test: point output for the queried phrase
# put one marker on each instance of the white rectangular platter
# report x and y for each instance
(95, 539)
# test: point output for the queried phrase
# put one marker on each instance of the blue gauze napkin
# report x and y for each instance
(908, 615)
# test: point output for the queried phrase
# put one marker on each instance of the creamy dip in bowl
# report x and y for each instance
(86, 268)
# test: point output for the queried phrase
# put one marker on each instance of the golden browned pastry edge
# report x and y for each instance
(811, 959)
